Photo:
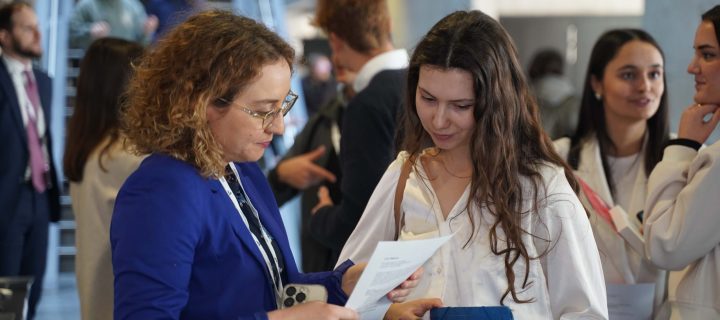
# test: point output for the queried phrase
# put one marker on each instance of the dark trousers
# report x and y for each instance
(23, 250)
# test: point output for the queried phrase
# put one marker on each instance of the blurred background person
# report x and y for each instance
(360, 39)
(314, 161)
(318, 85)
(621, 133)
(124, 19)
(169, 13)
(96, 162)
(682, 213)
(30, 196)
(556, 96)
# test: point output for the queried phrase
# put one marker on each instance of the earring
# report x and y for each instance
(598, 96)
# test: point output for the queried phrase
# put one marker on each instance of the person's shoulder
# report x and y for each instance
(562, 146)
(164, 171)
(388, 79)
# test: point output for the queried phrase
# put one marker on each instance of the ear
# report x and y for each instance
(4, 36)
(596, 85)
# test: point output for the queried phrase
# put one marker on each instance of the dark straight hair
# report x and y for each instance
(592, 111)
(104, 73)
(713, 16)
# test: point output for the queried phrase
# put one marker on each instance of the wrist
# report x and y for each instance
(690, 143)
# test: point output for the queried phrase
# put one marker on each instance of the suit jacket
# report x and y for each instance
(180, 249)
(317, 132)
(14, 158)
(367, 147)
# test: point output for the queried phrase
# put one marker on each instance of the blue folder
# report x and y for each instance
(475, 313)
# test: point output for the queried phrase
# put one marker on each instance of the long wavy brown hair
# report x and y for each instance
(508, 144)
(212, 55)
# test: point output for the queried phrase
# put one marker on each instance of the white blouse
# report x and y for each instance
(565, 283)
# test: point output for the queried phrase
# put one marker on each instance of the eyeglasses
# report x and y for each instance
(269, 117)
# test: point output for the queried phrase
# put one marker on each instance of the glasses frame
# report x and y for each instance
(269, 116)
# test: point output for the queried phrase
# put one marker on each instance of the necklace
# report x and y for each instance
(434, 153)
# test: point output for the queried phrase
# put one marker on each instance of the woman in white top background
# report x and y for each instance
(682, 212)
(97, 163)
(621, 132)
(482, 169)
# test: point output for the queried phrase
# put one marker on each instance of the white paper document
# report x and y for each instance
(631, 301)
(391, 264)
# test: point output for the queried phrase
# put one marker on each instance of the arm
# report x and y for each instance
(572, 265)
(681, 212)
(367, 149)
(298, 170)
(80, 24)
(154, 232)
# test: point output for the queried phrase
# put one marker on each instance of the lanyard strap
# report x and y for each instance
(268, 247)
(600, 207)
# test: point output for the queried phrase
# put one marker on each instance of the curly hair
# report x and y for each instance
(363, 24)
(508, 145)
(212, 56)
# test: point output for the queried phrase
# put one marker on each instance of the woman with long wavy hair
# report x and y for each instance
(481, 167)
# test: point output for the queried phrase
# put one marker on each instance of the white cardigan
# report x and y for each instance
(93, 200)
(567, 282)
(621, 264)
(682, 219)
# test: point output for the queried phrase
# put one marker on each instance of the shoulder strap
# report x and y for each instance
(399, 190)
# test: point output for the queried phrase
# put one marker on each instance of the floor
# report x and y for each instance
(60, 303)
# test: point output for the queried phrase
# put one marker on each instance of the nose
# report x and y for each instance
(644, 83)
(440, 119)
(277, 125)
(693, 67)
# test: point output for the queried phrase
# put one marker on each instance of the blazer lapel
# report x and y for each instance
(9, 88)
(591, 170)
(239, 228)
(273, 225)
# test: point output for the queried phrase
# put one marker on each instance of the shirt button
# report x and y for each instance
(438, 270)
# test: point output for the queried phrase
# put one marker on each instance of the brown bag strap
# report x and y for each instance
(399, 190)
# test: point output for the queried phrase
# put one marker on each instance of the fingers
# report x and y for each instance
(430, 303)
(398, 295)
(315, 154)
(324, 195)
(321, 173)
(323, 199)
(417, 274)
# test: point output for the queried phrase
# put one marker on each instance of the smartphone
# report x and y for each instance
(300, 293)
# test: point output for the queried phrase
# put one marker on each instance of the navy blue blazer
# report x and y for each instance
(180, 249)
(14, 158)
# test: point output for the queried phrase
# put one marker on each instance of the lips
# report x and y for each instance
(442, 137)
(265, 144)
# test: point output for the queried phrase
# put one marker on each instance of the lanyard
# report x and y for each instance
(275, 273)
(600, 207)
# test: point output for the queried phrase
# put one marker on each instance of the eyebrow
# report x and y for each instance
(630, 66)
(704, 46)
(452, 101)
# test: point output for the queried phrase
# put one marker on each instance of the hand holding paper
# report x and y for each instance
(390, 265)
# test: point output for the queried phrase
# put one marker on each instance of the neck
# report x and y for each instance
(22, 59)
(363, 58)
(457, 161)
(628, 138)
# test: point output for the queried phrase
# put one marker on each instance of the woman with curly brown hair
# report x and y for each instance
(478, 165)
(196, 232)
